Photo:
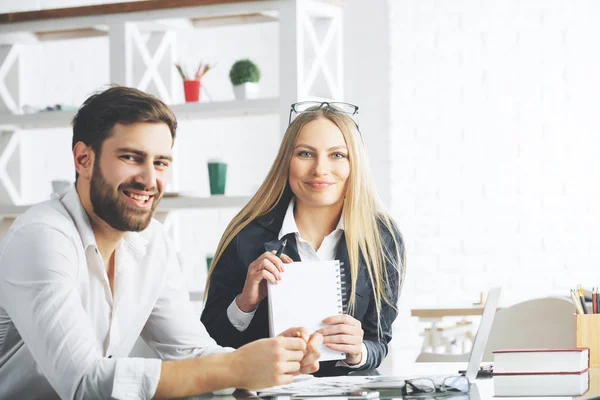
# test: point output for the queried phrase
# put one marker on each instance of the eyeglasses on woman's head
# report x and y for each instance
(313, 106)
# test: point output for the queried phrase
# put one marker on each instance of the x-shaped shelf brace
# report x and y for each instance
(9, 79)
(333, 26)
(143, 59)
(9, 103)
(9, 143)
(164, 44)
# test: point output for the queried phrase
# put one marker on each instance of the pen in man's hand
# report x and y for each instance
(280, 250)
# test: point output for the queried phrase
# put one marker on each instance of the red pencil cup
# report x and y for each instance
(191, 90)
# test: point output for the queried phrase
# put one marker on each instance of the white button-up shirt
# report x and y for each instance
(326, 252)
(63, 332)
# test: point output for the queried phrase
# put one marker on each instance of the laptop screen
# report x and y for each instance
(483, 333)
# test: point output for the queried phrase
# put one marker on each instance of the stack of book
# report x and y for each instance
(541, 372)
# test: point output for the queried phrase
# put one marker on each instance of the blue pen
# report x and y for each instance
(585, 310)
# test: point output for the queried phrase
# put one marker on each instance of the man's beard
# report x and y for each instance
(117, 212)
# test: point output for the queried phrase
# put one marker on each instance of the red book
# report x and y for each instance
(541, 361)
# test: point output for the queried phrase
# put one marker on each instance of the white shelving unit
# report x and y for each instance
(167, 204)
(8, 213)
(186, 111)
(310, 67)
(310, 44)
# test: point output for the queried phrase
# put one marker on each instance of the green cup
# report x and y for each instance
(217, 175)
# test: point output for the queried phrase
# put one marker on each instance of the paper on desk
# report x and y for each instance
(329, 385)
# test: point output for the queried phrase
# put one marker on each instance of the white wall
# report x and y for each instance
(367, 81)
(494, 140)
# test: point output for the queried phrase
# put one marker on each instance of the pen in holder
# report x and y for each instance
(588, 335)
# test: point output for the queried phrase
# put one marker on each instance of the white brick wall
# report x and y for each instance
(367, 55)
(494, 133)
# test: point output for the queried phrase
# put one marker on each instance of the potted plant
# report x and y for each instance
(244, 76)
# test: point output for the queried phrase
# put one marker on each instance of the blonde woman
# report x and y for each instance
(318, 195)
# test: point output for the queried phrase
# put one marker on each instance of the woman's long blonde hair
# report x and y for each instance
(363, 211)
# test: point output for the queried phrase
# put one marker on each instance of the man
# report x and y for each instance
(84, 275)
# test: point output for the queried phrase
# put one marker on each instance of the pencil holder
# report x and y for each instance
(588, 335)
(191, 90)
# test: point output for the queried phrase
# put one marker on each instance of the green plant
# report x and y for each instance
(243, 71)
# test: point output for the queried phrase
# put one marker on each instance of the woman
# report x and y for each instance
(318, 195)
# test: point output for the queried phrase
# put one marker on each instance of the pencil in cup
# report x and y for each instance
(576, 302)
(582, 300)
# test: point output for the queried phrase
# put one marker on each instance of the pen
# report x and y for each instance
(576, 302)
(280, 250)
(582, 298)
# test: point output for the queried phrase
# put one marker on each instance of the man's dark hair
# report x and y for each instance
(96, 118)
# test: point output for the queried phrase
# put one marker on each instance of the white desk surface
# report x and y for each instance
(484, 388)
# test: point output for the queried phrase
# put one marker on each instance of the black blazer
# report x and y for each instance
(229, 276)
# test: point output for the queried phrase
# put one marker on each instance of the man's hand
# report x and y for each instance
(268, 362)
(310, 361)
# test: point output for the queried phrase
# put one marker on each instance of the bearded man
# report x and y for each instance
(82, 276)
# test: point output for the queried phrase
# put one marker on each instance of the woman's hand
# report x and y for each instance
(266, 268)
(310, 361)
(344, 334)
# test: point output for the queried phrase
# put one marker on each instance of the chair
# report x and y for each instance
(539, 323)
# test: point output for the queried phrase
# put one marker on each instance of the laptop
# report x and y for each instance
(483, 333)
(481, 338)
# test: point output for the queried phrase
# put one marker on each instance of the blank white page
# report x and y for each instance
(308, 293)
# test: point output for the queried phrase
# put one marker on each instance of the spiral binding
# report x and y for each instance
(341, 288)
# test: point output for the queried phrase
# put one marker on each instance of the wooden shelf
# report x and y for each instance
(448, 312)
(185, 111)
(108, 9)
(166, 204)
(220, 109)
(96, 20)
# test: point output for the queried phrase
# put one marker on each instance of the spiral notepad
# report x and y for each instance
(308, 293)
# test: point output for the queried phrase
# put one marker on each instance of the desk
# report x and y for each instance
(483, 389)
(437, 313)
(435, 336)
